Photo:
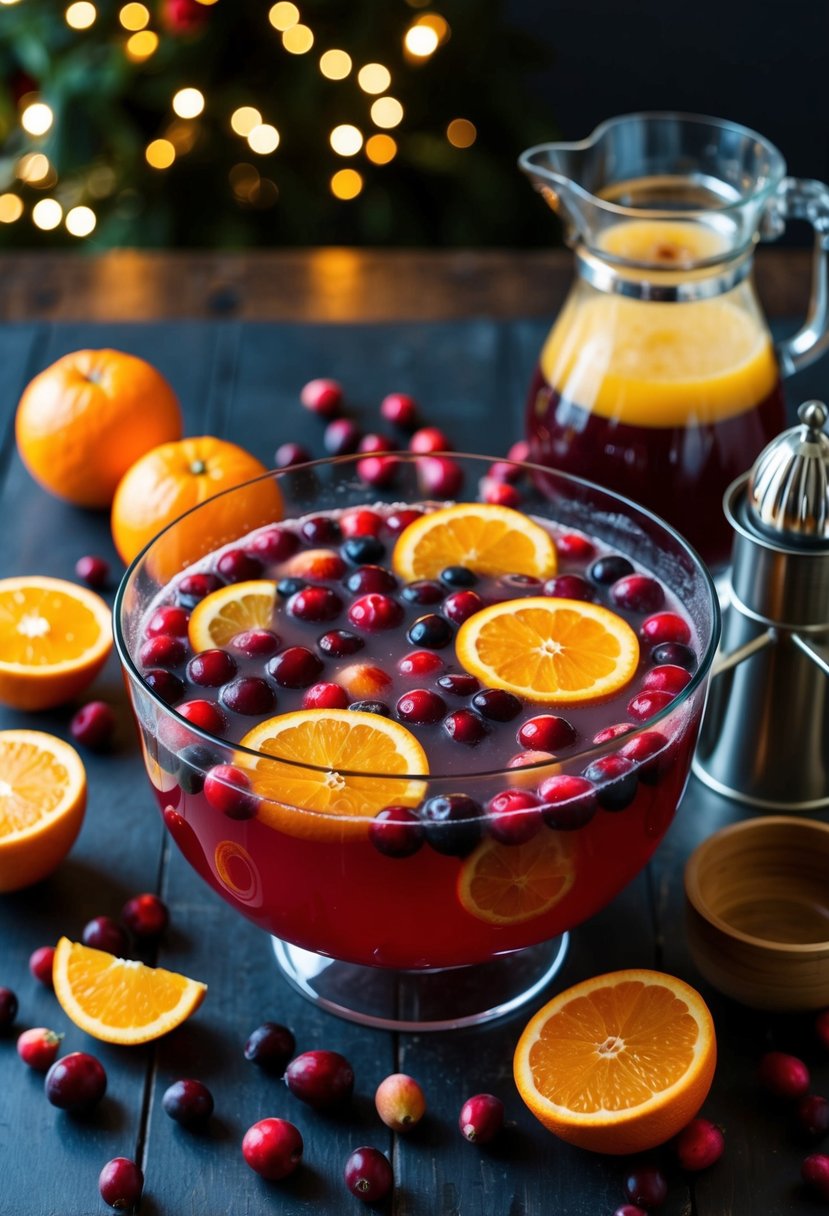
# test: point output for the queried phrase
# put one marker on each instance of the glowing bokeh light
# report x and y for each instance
(335, 65)
(80, 16)
(188, 103)
(33, 167)
(37, 118)
(245, 119)
(263, 139)
(80, 221)
(346, 140)
(160, 154)
(380, 149)
(461, 133)
(386, 112)
(346, 184)
(47, 214)
(11, 208)
(374, 78)
(298, 39)
(421, 41)
(134, 16)
(142, 45)
(283, 16)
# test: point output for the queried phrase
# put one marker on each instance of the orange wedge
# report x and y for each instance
(231, 610)
(508, 884)
(42, 803)
(54, 639)
(619, 1063)
(120, 1000)
(328, 800)
(490, 540)
(556, 651)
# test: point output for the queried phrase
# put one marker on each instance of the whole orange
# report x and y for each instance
(85, 420)
(173, 478)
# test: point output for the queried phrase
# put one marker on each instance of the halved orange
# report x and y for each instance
(328, 800)
(54, 639)
(231, 610)
(508, 884)
(490, 540)
(42, 803)
(551, 650)
(619, 1063)
(120, 1000)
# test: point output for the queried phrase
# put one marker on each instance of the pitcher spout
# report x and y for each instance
(555, 171)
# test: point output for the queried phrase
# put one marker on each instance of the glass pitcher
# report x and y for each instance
(659, 380)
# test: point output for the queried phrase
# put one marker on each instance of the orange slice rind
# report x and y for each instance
(231, 610)
(510, 884)
(489, 539)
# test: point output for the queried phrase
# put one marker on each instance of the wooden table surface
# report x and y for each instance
(235, 337)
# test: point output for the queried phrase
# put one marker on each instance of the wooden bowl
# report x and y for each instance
(757, 905)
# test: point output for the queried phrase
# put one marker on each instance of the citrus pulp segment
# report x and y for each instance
(488, 539)
(231, 610)
(509, 884)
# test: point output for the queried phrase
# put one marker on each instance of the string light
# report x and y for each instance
(263, 139)
(335, 65)
(298, 39)
(9, 3)
(160, 154)
(374, 78)
(37, 118)
(34, 168)
(421, 41)
(134, 16)
(346, 140)
(188, 103)
(386, 112)
(80, 221)
(346, 184)
(380, 149)
(47, 214)
(142, 45)
(434, 21)
(80, 16)
(283, 15)
(11, 208)
(244, 119)
(461, 133)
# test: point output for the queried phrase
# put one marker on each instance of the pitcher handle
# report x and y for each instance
(804, 199)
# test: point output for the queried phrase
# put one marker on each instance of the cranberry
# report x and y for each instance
(194, 761)
(423, 591)
(396, 831)
(519, 451)
(321, 530)
(638, 593)
(462, 605)
(546, 733)
(514, 816)
(315, 604)
(39, 1047)
(8, 1007)
(569, 587)
(420, 707)
(319, 564)
(420, 663)
(400, 1102)
(275, 544)
(121, 1183)
(93, 725)
(289, 454)
(203, 713)
(700, 1144)
(646, 1187)
(665, 627)
(296, 667)
(497, 704)
(188, 1102)
(374, 612)
(325, 696)
(526, 758)
(272, 1148)
(371, 707)
(323, 1079)
(374, 444)
(783, 1075)
(162, 651)
(606, 570)
(41, 962)
(400, 410)
(194, 587)
(256, 643)
(504, 470)
(667, 678)
(93, 571)
(813, 1116)
(481, 1118)
(377, 471)
(647, 704)
(76, 1082)
(270, 1047)
(429, 439)
(822, 1027)
(227, 789)
(675, 654)
(459, 684)
(452, 823)
(363, 680)
(164, 684)
(370, 578)
(237, 566)
(431, 631)
(616, 779)
(360, 550)
(398, 521)
(339, 643)
(569, 802)
(368, 1174)
(361, 522)
(465, 726)
(649, 752)
(607, 733)
(323, 397)
(211, 668)
(104, 933)
(630, 1209)
(250, 695)
(168, 619)
(575, 546)
(439, 475)
(341, 437)
(499, 493)
(146, 916)
(458, 576)
(815, 1173)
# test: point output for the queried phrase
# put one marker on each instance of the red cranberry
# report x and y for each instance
(815, 1173)
(321, 530)
(649, 752)
(420, 663)
(429, 439)
(237, 566)
(497, 704)
(250, 695)
(368, 1174)
(514, 816)
(323, 1079)
(481, 1118)
(423, 591)
(377, 471)
(93, 571)
(638, 593)
(323, 397)
(227, 789)
(647, 704)
(440, 476)
(608, 733)
(289, 454)
(396, 831)
(162, 651)
(646, 1187)
(256, 643)
(665, 627)
(194, 587)
(370, 579)
(822, 1027)
(569, 802)
(606, 570)
(615, 779)
(104, 933)
(168, 619)
(361, 522)
(569, 587)
(398, 521)
(164, 684)
(783, 1075)
(519, 451)
(452, 823)
(465, 726)
(630, 1209)
(272, 1148)
(146, 916)
(667, 678)
(504, 470)
(275, 544)
(813, 1116)
(211, 668)
(121, 1183)
(374, 612)
(325, 696)
(373, 444)
(459, 684)
(188, 1102)
(431, 631)
(76, 1082)
(203, 713)
(461, 605)
(93, 725)
(499, 493)
(339, 643)
(39, 1047)
(675, 654)
(400, 410)
(41, 962)
(270, 1047)
(8, 1007)
(315, 604)
(700, 1144)
(420, 707)
(575, 546)
(341, 437)
(546, 733)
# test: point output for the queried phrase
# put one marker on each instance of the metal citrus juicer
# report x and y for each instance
(765, 734)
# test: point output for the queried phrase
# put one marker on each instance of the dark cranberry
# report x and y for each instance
(38, 1048)
(569, 802)
(362, 549)
(676, 654)
(322, 396)
(458, 576)
(665, 627)
(459, 684)
(227, 789)
(396, 831)
(569, 587)
(519, 451)
(315, 604)
(481, 1118)
(104, 933)
(203, 713)
(275, 544)
(361, 522)
(194, 761)
(273, 1148)
(815, 1173)
(440, 476)
(368, 1174)
(453, 823)
(421, 707)
(374, 444)
(499, 493)
(514, 816)
(520, 585)
(339, 643)
(420, 663)
(93, 571)
(546, 733)
(701, 1143)
(325, 696)
(237, 566)
(615, 779)
(211, 668)
(400, 410)
(431, 631)
(168, 619)
(370, 578)
(121, 1183)
(461, 605)
(638, 593)
(164, 684)
(341, 437)
(377, 471)
(429, 439)
(398, 521)
(465, 726)
(41, 962)
(76, 1082)
(667, 678)
(371, 707)
(296, 667)
(270, 1047)
(783, 1075)
(575, 546)
(255, 643)
(606, 570)
(162, 651)
(374, 612)
(188, 1102)
(323, 1079)
(497, 704)
(8, 1008)
(250, 695)
(146, 916)
(194, 587)
(290, 586)
(289, 454)
(649, 752)
(93, 725)
(646, 1187)
(647, 704)
(423, 591)
(813, 1116)
(321, 530)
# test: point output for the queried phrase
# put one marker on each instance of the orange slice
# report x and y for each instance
(231, 610)
(551, 650)
(54, 639)
(619, 1063)
(42, 803)
(490, 540)
(120, 1000)
(329, 799)
(508, 884)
